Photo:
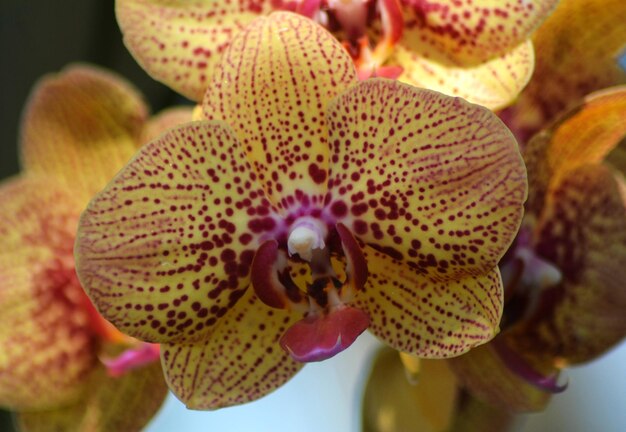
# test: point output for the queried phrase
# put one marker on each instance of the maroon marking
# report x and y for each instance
(356, 268)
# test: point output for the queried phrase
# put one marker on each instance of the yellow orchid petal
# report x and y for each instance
(494, 83)
(473, 31)
(48, 346)
(584, 135)
(272, 87)
(80, 126)
(415, 314)
(392, 404)
(166, 248)
(486, 377)
(126, 403)
(179, 42)
(577, 53)
(425, 178)
(165, 120)
(582, 231)
(239, 362)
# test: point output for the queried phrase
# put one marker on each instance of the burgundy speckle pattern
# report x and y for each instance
(473, 30)
(240, 362)
(179, 42)
(275, 100)
(179, 210)
(430, 187)
(428, 179)
(48, 345)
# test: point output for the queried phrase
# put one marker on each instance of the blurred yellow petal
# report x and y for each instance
(494, 83)
(392, 404)
(582, 231)
(272, 87)
(48, 346)
(179, 42)
(428, 179)
(472, 31)
(239, 362)
(125, 404)
(165, 120)
(486, 377)
(584, 135)
(166, 248)
(412, 313)
(80, 126)
(577, 51)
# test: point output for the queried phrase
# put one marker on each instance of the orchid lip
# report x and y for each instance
(329, 326)
(141, 355)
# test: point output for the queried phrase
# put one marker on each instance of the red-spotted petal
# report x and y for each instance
(47, 344)
(415, 314)
(239, 362)
(425, 178)
(472, 31)
(494, 83)
(582, 231)
(165, 250)
(272, 87)
(577, 52)
(126, 403)
(80, 127)
(179, 42)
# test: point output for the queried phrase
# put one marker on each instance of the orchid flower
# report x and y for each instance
(79, 128)
(565, 295)
(478, 50)
(430, 400)
(578, 52)
(306, 208)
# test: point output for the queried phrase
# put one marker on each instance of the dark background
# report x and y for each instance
(42, 36)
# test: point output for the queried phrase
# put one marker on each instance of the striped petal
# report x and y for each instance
(47, 346)
(415, 314)
(126, 404)
(578, 48)
(179, 42)
(473, 31)
(494, 83)
(239, 362)
(582, 231)
(273, 86)
(80, 127)
(486, 377)
(392, 404)
(165, 249)
(425, 178)
(165, 120)
(584, 135)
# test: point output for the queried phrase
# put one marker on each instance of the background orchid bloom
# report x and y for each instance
(478, 50)
(565, 304)
(344, 205)
(79, 128)
(578, 51)
(431, 400)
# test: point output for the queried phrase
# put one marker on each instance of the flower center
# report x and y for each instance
(329, 325)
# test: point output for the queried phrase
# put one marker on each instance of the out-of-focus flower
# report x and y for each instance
(345, 205)
(478, 50)
(578, 52)
(565, 297)
(428, 400)
(79, 128)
